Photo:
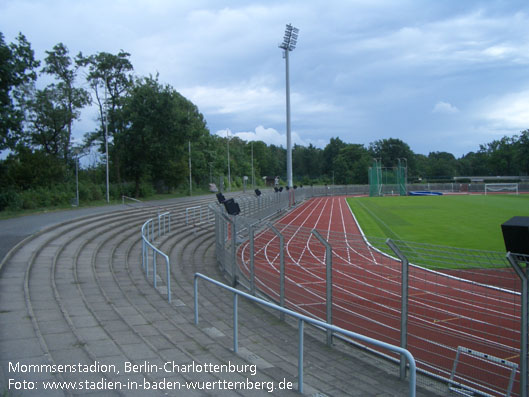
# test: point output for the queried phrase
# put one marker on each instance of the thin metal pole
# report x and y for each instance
(143, 253)
(252, 261)
(196, 299)
(233, 252)
(404, 304)
(235, 323)
(524, 327)
(147, 260)
(281, 270)
(154, 267)
(300, 355)
(328, 273)
(253, 175)
(106, 141)
(168, 280)
(289, 138)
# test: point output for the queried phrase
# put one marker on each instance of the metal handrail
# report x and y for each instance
(193, 212)
(301, 320)
(155, 251)
(130, 198)
(161, 219)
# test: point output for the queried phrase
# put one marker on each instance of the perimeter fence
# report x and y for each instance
(458, 311)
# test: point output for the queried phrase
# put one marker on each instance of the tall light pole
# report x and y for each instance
(77, 157)
(106, 139)
(289, 43)
(253, 175)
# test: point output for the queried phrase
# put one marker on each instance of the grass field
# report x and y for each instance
(466, 221)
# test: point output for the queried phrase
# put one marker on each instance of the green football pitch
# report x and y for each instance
(464, 221)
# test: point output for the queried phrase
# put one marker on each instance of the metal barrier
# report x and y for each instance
(162, 218)
(202, 213)
(238, 253)
(131, 199)
(147, 236)
(301, 320)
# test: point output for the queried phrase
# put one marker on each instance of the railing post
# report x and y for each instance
(300, 355)
(524, 326)
(196, 298)
(404, 304)
(235, 323)
(281, 270)
(168, 279)
(252, 261)
(142, 251)
(233, 252)
(219, 240)
(328, 281)
(147, 261)
(154, 267)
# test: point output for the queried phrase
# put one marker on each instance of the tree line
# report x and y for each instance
(148, 130)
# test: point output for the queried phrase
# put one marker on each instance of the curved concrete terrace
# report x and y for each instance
(72, 291)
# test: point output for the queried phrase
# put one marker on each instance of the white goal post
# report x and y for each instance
(501, 188)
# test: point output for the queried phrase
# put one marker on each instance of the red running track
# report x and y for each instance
(444, 312)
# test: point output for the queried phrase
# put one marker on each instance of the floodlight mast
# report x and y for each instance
(289, 44)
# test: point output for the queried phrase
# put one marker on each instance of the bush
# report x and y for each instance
(146, 189)
(96, 192)
(10, 200)
(44, 198)
(29, 200)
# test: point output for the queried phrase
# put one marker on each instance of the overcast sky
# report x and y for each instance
(440, 75)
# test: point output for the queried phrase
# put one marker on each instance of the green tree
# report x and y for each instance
(392, 149)
(522, 153)
(59, 65)
(160, 123)
(421, 168)
(441, 165)
(110, 78)
(260, 158)
(307, 162)
(351, 165)
(48, 123)
(500, 156)
(474, 164)
(17, 78)
(329, 154)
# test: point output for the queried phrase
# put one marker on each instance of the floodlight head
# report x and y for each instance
(290, 38)
(232, 207)
(220, 197)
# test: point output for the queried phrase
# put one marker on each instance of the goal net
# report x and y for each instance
(501, 188)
